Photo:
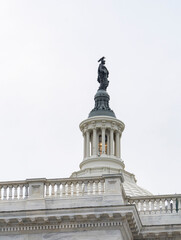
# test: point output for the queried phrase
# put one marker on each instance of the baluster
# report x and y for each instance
(20, 191)
(179, 205)
(137, 204)
(53, 190)
(88, 188)
(163, 205)
(169, 205)
(74, 188)
(0, 192)
(15, 191)
(147, 202)
(63, 189)
(80, 188)
(69, 188)
(10, 192)
(58, 189)
(5, 193)
(85, 191)
(141, 206)
(174, 205)
(91, 187)
(152, 206)
(157, 206)
(47, 189)
(26, 190)
(102, 186)
(166, 205)
(96, 187)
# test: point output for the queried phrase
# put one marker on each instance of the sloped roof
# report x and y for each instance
(132, 189)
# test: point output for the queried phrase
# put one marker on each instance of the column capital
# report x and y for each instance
(118, 131)
(112, 124)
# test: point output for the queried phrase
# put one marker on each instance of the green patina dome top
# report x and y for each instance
(102, 105)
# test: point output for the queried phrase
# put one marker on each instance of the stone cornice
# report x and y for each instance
(84, 218)
(108, 122)
(67, 219)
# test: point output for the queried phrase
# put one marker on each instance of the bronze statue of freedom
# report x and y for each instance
(103, 75)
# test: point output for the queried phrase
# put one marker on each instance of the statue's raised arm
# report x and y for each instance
(103, 75)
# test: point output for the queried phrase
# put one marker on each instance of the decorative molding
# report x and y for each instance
(70, 226)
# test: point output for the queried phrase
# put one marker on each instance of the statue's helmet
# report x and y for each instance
(102, 60)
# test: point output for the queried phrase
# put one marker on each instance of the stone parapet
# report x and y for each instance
(60, 189)
(157, 204)
(64, 205)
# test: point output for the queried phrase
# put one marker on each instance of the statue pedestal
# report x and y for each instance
(101, 105)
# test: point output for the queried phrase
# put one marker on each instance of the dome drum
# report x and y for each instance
(102, 136)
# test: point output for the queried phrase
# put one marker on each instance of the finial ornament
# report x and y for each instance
(103, 74)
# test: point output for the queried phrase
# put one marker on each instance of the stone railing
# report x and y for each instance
(74, 187)
(14, 190)
(91, 186)
(157, 204)
(60, 187)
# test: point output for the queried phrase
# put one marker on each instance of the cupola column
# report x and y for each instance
(117, 144)
(94, 142)
(84, 136)
(108, 143)
(103, 140)
(120, 144)
(87, 144)
(111, 141)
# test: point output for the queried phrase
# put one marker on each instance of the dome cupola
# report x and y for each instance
(102, 133)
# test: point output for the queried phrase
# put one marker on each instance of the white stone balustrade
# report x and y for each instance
(14, 190)
(74, 187)
(59, 188)
(157, 204)
(88, 186)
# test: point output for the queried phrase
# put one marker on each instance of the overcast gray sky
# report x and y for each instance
(48, 71)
